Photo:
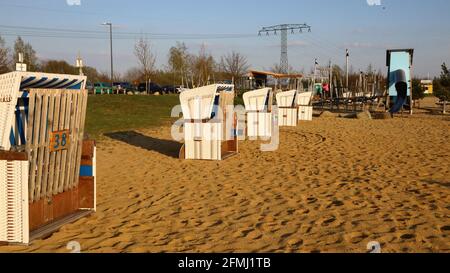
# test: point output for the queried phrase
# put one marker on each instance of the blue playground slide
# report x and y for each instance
(401, 98)
(401, 86)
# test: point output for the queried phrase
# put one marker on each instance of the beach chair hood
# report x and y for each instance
(286, 99)
(201, 103)
(15, 85)
(304, 99)
(257, 100)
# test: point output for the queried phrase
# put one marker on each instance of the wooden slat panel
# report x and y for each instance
(83, 94)
(61, 157)
(66, 155)
(30, 122)
(34, 124)
(75, 133)
(45, 176)
(42, 142)
(72, 145)
(52, 184)
(60, 119)
(54, 110)
(78, 147)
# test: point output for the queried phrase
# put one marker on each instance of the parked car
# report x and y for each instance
(181, 89)
(102, 88)
(169, 89)
(152, 88)
(90, 87)
(122, 87)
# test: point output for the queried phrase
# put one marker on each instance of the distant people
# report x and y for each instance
(326, 89)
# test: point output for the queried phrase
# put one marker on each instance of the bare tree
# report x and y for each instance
(276, 68)
(29, 54)
(133, 75)
(203, 66)
(146, 58)
(234, 65)
(178, 61)
(3, 57)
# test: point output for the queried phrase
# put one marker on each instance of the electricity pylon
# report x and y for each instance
(283, 29)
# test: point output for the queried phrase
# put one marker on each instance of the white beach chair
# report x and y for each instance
(258, 106)
(287, 109)
(210, 127)
(47, 169)
(305, 110)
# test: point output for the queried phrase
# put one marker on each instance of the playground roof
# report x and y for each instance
(255, 73)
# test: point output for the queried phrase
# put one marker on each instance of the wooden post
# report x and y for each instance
(347, 55)
(411, 111)
(330, 87)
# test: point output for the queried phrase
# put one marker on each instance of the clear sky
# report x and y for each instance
(336, 24)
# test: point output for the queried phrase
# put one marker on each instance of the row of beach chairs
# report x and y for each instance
(211, 124)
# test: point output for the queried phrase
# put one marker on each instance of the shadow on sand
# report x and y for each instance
(439, 183)
(163, 146)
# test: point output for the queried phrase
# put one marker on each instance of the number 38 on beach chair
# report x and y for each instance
(258, 106)
(210, 124)
(47, 168)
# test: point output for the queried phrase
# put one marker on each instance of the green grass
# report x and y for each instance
(112, 113)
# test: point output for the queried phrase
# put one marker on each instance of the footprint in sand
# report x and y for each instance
(356, 237)
(408, 236)
(335, 203)
(294, 242)
(445, 228)
(328, 221)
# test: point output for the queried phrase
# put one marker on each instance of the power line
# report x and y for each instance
(33, 35)
(78, 33)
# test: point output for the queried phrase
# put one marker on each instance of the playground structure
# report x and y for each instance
(330, 91)
(287, 108)
(399, 95)
(47, 168)
(258, 107)
(210, 124)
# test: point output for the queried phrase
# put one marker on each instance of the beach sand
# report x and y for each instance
(334, 185)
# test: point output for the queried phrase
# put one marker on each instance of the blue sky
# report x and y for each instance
(336, 24)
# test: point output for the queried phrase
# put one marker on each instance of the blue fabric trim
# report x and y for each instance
(86, 171)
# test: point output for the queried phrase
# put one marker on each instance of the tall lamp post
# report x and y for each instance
(111, 47)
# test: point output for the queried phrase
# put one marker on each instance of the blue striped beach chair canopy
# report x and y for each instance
(14, 87)
(51, 81)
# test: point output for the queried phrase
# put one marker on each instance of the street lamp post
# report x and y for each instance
(111, 47)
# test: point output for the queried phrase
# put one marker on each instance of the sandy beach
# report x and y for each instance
(334, 185)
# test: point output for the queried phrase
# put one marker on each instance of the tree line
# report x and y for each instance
(188, 69)
(183, 67)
